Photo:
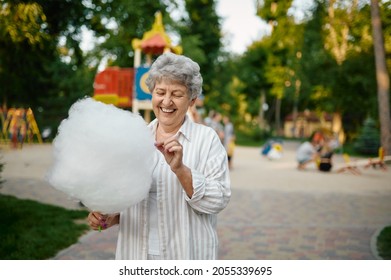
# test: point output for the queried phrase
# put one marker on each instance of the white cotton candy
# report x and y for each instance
(103, 156)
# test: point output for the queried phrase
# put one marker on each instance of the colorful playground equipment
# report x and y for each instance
(114, 85)
(18, 126)
(376, 163)
(125, 87)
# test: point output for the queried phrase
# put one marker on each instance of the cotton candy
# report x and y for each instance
(103, 156)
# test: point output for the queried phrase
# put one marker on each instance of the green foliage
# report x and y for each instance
(368, 141)
(54, 106)
(316, 63)
(23, 22)
(227, 95)
(326, 85)
(201, 25)
(252, 67)
(37, 231)
(354, 92)
(34, 67)
(192, 46)
(24, 54)
(129, 19)
(270, 65)
(251, 135)
(46, 69)
(385, 7)
(43, 67)
(384, 243)
(272, 10)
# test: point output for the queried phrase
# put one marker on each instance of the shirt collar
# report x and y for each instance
(184, 130)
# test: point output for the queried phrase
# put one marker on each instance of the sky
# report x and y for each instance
(241, 26)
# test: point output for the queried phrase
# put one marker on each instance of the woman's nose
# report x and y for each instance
(167, 99)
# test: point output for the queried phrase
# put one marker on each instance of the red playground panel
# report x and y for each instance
(114, 85)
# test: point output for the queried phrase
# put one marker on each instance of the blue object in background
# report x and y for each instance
(142, 91)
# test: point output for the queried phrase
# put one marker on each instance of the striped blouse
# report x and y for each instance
(186, 226)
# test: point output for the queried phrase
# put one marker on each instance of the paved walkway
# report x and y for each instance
(276, 212)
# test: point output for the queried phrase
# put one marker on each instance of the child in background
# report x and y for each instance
(308, 151)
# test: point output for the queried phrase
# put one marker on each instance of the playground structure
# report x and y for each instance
(125, 87)
(18, 126)
(376, 163)
(114, 85)
(122, 87)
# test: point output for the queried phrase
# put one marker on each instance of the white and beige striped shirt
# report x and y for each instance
(186, 226)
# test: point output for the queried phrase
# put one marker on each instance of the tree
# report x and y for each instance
(29, 47)
(340, 19)
(367, 141)
(252, 67)
(22, 43)
(201, 36)
(272, 11)
(41, 63)
(284, 43)
(383, 79)
(337, 69)
(124, 20)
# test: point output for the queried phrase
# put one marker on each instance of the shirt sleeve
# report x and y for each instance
(212, 190)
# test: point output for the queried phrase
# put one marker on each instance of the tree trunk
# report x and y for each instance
(383, 80)
(278, 116)
(262, 110)
(295, 108)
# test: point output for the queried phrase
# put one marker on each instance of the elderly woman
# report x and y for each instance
(190, 183)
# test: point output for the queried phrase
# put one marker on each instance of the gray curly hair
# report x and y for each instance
(176, 68)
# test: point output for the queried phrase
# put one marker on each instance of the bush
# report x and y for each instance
(384, 243)
(251, 136)
(368, 141)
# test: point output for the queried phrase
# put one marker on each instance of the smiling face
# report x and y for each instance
(170, 102)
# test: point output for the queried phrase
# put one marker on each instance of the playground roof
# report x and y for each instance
(156, 40)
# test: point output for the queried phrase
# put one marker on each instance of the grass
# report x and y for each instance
(384, 243)
(35, 231)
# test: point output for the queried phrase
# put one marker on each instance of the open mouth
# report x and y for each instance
(165, 110)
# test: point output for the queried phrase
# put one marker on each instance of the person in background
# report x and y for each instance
(325, 162)
(209, 118)
(190, 183)
(195, 111)
(308, 151)
(193, 114)
(217, 125)
(200, 109)
(229, 139)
